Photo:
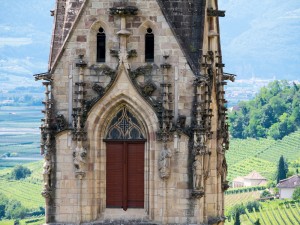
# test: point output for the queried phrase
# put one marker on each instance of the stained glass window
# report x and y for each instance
(124, 126)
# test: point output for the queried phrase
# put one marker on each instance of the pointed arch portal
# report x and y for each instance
(125, 146)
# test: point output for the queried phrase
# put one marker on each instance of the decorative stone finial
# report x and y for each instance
(80, 62)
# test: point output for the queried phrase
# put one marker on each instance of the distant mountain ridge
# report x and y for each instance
(25, 33)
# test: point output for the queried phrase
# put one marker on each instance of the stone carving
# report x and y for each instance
(47, 171)
(43, 76)
(61, 123)
(227, 76)
(132, 53)
(47, 193)
(98, 89)
(114, 52)
(148, 88)
(141, 71)
(222, 168)
(215, 13)
(79, 155)
(128, 10)
(103, 70)
(164, 163)
(198, 173)
(79, 119)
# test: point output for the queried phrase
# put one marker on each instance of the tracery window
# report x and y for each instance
(124, 126)
(149, 46)
(101, 48)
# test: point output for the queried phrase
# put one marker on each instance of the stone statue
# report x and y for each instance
(164, 163)
(46, 171)
(198, 173)
(79, 158)
(224, 169)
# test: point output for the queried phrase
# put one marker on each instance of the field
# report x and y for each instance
(19, 135)
(261, 155)
(233, 199)
(272, 213)
(30, 221)
(27, 191)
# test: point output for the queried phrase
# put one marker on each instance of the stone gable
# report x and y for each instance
(128, 138)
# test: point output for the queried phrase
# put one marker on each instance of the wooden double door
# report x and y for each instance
(125, 174)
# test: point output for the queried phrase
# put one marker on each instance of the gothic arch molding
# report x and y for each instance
(142, 29)
(99, 120)
(92, 39)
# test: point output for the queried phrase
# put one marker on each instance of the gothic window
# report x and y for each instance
(101, 38)
(124, 126)
(149, 46)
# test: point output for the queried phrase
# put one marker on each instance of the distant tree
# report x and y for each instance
(282, 169)
(20, 172)
(275, 113)
(237, 220)
(15, 210)
(240, 208)
(265, 194)
(257, 222)
(3, 203)
(296, 194)
(253, 205)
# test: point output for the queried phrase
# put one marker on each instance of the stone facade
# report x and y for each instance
(177, 100)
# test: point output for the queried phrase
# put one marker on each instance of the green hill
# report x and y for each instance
(273, 113)
(27, 191)
(262, 155)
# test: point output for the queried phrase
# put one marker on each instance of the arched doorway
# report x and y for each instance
(125, 144)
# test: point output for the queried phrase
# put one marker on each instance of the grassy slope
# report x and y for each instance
(272, 212)
(233, 199)
(27, 191)
(261, 155)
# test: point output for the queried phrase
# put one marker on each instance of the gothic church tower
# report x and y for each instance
(134, 129)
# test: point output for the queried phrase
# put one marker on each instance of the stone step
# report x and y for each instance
(123, 222)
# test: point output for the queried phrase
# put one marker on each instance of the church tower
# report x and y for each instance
(135, 117)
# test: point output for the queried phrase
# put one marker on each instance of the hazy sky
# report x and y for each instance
(260, 38)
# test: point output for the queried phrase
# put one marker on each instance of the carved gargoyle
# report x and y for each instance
(227, 76)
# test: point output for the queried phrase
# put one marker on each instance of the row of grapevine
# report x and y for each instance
(280, 215)
(244, 189)
(288, 147)
(241, 149)
(262, 154)
(231, 200)
(29, 194)
(243, 168)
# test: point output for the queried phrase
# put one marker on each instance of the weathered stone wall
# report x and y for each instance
(166, 201)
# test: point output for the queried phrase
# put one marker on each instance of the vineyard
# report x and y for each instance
(262, 155)
(233, 199)
(30, 221)
(271, 214)
(27, 191)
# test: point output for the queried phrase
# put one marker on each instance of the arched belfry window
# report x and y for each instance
(124, 126)
(149, 46)
(101, 38)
